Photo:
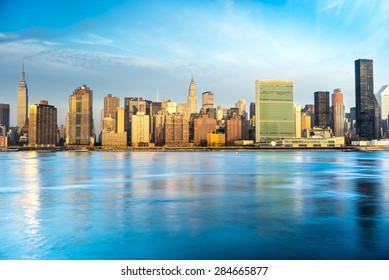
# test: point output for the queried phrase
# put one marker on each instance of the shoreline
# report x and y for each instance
(190, 149)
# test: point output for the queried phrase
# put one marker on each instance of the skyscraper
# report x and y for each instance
(208, 100)
(22, 104)
(274, 117)
(367, 109)
(241, 105)
(383, 101)
(4, 115)
(322, 109)
(140, 129)
(42, 129)
(80, 118)
(338, 112)
(297, 120)
(192, 97)
(111, 104)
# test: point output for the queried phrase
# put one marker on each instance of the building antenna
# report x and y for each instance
(157, 95)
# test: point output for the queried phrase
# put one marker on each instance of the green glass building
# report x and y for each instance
(274, 117)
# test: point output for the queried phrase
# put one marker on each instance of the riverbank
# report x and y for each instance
(191, 149)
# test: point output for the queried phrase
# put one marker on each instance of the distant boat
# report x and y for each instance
(11, 150)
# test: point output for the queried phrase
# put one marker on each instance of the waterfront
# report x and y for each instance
(193, 205)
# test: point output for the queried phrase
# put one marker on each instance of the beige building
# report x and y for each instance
(192, 98)
(140, 129)
(208, 100)
(109, 136)
(22, 102)
(176, 130)
(80, 117)
(241, 105)
(42, 130)
(202, 126)
(297, 121)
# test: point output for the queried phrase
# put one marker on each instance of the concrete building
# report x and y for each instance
(322, 109)
(338, 115)
(237, 128)
(111, 103)
(22, 102)
(203, 125)
(140, 129)
(42, 129)
(4, 115)
(382, 97)
(216, 140)
(208, 100)
(192, 98)
(305, 124)
(241, 105)
(368, 119)
(159, 127)
(80, 117)
(273, 110)
(118, 138)
(176, 130)
(297, 121)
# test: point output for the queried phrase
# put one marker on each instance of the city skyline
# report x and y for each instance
(226, 45)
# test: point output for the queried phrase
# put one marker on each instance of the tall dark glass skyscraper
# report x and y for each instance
(367, 108)
(322, 109)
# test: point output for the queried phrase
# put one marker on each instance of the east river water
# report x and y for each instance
(194, 205)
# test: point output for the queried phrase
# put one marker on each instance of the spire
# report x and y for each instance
(23, 79)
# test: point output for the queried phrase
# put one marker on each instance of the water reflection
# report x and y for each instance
(367, 206)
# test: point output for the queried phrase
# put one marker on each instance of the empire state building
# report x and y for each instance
(22, 104)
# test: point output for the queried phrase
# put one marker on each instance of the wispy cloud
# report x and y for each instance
(93, 39)
(331, 6)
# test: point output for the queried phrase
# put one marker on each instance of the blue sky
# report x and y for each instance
(133, 48)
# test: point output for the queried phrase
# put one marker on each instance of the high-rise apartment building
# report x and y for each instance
(192, 97)
(273, 110)
(42, 129)
(80, 117)
(140, 129)
(322, 109)
(252, 110)
(368, 117)
(22, 103)
(111, 104)
(4, 115)
(237, 128)
(338, 113)
(297, 120)
(176, 130)
(208, 100)
(383, 101)
(202, 126)
(241, 105)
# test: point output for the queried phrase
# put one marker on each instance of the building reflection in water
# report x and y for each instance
(30, 203)
(367, 205)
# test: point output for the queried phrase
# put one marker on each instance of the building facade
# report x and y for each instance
(192, 97)
(368, 119)
(297, 120)
(42, 129)
(322, 109)
(140, 129)
(338, 113)
(4, 115)
(237, 128)
(273, 110)
(80, 117)
(176, 130)
(201, 127)
(22, 102)
(241, 105)
(382, 97)
(208, 100)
